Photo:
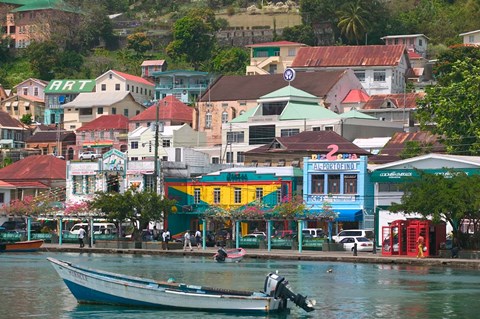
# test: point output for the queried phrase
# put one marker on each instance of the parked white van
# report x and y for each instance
(314, 232)
(98, 228)
(368, 233)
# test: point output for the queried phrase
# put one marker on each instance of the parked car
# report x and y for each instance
(353, 233)
(288, 233)
(14, 225)
(363, 243)
(257, 235)
(89, 155)
(315, 232)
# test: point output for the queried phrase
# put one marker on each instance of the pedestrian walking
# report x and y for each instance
(166, 239)
(187, 241)
(198, 239)
(81, 236)
(420, 244)
(155, 233)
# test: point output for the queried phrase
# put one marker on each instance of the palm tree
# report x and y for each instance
(352, 21)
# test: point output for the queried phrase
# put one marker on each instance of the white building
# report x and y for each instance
(111, 81)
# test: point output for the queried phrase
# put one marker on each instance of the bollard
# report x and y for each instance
(355, 249)
(374, 251)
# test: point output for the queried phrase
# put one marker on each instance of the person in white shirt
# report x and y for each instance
(187, 241)
(198, 239)
(166, 239)
(81, 236)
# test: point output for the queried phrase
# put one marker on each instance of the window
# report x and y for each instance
(111, 134)
(104, 87)
(208, 120)
(114, 110)
(224, 117)
(259, 194)
(328, 128)
(379, 76)
(471, 38)
(279, 195)
(316, 128)
(333, 184)
(291, 51)
(215, 160)
(281, 162)
(166, 143)
(149, 182)
(125, 112)
(240, 157)
(110, 76)
(350, 184)
(100, 110)
(238, 195)
(318, 184)
(87, 111)
(360, 74)
(229, 157)
(25, 91)
(289, 132)
(389, 187)
(134, 145)
(117, 87)
(133, 159)
(235, 137)
(420, 42)
(91, 181)
(35, 91)
(92, 135)
(102, 134)
(128, 87)
(196, 196)
(2, 198)
(216, 196)
(77, 184)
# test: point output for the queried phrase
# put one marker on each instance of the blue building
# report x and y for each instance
(337, 190)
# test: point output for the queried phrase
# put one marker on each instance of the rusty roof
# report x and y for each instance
(51, 136)
(7, 121)
(349, 56)
(309, 141)
(35, 168)
(399, 100)
(397, 143)
(252, 87)
(169, 108)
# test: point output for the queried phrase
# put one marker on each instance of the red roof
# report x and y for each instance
(106, 122)
(349, 56)
(170, 108)
(34, 168)
(399, 100)
(7, 121)
(133, 78)
(275, 44)
(414, 55)
(153, 62)
(356, 96)
(28, 184)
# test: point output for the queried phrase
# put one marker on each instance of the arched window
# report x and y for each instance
(241, 112)
(208, 120)
(224, 117)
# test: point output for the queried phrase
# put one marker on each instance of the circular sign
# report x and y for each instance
(289, 75)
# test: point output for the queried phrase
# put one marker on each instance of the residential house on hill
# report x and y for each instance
(4, 93)
(40, 176)
(471, 37)
(12, 132)
(396, 108)
(60, 143)
(18, 106)
(291, 150)
(113, 81)
(150, 66)
(60, 92)
(187, 86)
(381, 69)
(417, 43)
(171, 111)
(231, 96)
(33, 20)
(272, 57)
(287, 112)
(102, 134)
(88, 106)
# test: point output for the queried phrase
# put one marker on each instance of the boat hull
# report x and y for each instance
(232, 256)
(21, 246)
(89, 286)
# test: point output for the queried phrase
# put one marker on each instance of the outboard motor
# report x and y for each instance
(276, 286)
(221, 255)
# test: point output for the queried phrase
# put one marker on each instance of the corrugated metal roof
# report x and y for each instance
(89, 99)
(7, 121)
(275, 44)
(400, 100)
(106, 122)
(152, 62)
(170, 108)
(349, 56)
(34, 168)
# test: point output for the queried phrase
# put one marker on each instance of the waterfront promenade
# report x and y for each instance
(310, 255)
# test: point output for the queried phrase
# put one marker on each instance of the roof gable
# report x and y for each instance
(35, 167)
(7, 121)
(38, 81)
(349, 56)
(106, 122)
(132, 78)
(356, 96)
(398, 100)
(169, 108)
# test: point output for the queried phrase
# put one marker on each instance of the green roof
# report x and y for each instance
(357, 115)
(288, 91)
(32, 5)
(70, 86)
(310, 111)
(244, 117)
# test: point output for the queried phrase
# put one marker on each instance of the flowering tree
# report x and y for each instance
(29, 205)
(290, 208)
(79, 208)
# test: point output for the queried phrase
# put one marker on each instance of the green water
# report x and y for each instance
(30, 287)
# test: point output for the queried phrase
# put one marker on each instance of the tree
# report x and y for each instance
(230, 61)
(26, 119)
(139, 43)
(193, 38)
(445, 60)
(353, 21)
(451, 110)
(452, 197)
(43, 57)
(301, 34)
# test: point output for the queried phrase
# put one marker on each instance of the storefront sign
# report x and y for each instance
(335, 166)
(236, 177)
(330, 198)
(400, 175)
(332, 155)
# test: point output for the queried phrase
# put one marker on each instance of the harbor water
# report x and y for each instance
(30, 287)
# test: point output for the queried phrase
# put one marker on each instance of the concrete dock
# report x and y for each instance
(310, 255)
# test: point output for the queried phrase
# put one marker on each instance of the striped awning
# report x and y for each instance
(98, 144)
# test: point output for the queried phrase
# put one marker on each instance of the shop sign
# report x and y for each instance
(332, 155)
(236, 177)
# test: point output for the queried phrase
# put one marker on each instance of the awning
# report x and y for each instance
(349, 215)
(402, 175)
(99, 144)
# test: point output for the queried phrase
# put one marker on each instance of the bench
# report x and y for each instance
(312, 244)
(11, 237)
(281, 243)
(249, 242)
(46, 237)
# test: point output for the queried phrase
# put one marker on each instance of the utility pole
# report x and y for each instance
(155, 173)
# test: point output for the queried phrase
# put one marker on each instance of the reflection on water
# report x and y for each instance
(31, 287)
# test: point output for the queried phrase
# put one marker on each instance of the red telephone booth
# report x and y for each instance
(433, 235)
(394, 238)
